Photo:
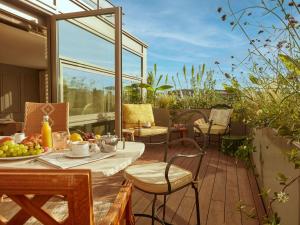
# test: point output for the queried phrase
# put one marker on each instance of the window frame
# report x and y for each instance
(117, 11)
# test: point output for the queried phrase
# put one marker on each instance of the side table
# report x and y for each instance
(230, 144)
(182, 131)
(128, 134)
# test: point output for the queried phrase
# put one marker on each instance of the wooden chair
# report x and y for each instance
(58, 116)
(54, 197)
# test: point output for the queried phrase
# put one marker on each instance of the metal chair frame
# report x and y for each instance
(170, 162)
(208, 134)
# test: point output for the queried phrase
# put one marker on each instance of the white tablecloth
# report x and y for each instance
(106, 167)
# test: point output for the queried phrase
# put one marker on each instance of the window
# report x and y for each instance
(81, 45)
(88, 92)
(132, 64)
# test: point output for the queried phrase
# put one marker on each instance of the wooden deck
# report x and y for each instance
(223, 185)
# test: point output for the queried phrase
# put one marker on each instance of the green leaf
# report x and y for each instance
(193, 71)
(229, 89)
(253, 79)
(159, 79)
(174, 82)
(203, 70)
(146, 86)
(167, 79)
(291, 64)
(184, 74)
(281, 178)
(164, 87)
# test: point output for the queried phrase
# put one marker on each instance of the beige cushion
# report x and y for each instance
(135, 115)
(154, 130)
(59, 211)
(220, 116)
(215, 129)
(151, 177)
(199, 122)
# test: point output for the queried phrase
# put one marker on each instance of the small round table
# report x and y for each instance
(230, 144)
(183, 132)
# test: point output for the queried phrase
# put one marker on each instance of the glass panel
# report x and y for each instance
(131, 93)
(132, 64)
(67, 6)
(77, 43)
(87, 92)
(96, 128)
(91, 3)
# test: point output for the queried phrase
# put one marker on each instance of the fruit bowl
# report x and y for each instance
(28, 148)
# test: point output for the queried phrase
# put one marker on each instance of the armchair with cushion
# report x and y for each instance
(135, 119)
(217, 124)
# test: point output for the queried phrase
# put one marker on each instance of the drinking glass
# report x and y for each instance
(60, 140)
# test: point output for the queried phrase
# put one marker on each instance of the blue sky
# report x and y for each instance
(186, 32)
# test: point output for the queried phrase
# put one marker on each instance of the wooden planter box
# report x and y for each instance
(269, 159)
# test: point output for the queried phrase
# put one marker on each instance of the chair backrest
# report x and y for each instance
(221, 114)
(135, 115)
(187, 119)
(58, 116)
(73, 185)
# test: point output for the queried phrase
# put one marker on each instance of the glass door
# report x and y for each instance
(86, 59)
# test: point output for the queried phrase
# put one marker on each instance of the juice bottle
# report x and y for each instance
(46, 133)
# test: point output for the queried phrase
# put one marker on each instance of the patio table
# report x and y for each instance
(106, 181)
(106, 167)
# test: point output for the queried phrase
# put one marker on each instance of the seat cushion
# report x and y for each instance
(135, 115)
(215, 129)
(154, 130)
(151, 177)
(220, 116)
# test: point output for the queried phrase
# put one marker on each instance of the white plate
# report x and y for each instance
(70, 155)
(23, 157)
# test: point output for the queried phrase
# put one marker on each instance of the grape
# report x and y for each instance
(9, 143)
(38, 151)
(10, 149)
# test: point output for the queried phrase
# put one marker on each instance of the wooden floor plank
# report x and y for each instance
(219, 191)
(246, 197)
(216, 213)
(232, 215)
(217, 206)
(206, 189)
(258, 202)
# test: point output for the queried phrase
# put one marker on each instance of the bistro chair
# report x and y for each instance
(139, 119)
(164, 178)
(58, 116)
(217, 124)
(53, 197)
